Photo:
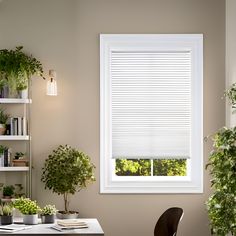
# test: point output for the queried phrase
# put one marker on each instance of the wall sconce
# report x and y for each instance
(52, 83)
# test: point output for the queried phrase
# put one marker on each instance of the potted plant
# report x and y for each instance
(19, 191)
(20, 159)
(66, 171)
(8, 191)
(48, 214)
(3, 121)
(6, 212)
(16, 68)
(29, 209)
(221, 204)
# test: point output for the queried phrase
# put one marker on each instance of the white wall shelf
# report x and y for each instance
(14, 137)
(15, 168)
(15, 100)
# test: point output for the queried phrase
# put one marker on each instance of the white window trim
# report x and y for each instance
(193, 183)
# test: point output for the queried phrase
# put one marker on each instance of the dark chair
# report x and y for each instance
(168, 222)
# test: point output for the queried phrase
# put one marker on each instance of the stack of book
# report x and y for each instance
(5, 158)
(69, 224)
(17, 126)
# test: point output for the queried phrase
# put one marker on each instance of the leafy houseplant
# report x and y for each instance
(3, 121)
(6, 212)
(29, 209)
(48, 214)
(16, 68)
(222, 204)
(66, 171)
(8, 191)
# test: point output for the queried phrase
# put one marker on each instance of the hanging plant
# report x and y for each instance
(222, 162)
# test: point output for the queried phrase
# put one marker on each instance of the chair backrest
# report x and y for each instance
(168, 222)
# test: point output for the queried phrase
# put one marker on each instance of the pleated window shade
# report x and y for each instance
(151, 104)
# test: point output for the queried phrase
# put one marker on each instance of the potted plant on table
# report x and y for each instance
(6, 214)
(16, 68)
(48, 214)
(29, 209)
(3, 121)
(67, 171)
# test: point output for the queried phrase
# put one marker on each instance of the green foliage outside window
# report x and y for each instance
(170, 167)
(142, 167)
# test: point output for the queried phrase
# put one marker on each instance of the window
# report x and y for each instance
(151, 113)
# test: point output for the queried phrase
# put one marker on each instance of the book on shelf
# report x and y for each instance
(17, 126)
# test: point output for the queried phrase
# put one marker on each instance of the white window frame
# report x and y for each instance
(193, 182)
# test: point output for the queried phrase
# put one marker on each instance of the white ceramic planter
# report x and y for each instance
(30, 219)
(24, 93)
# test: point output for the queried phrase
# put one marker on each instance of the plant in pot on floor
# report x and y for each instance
(221, 205)
(3, 121)
(6, 214)
(29, 209)
(8, 191)
(16, 69)
(48, 214)
(67, 171)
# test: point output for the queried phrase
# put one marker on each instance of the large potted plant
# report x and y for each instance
(16, 68)
(221, 205)
(6, 214)
(67, 171)
(3, 121)
(29, 209)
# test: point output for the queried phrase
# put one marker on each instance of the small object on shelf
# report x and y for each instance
(19, 155)
(8, 191)
(20, 162)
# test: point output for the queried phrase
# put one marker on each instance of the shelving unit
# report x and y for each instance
(23, 141)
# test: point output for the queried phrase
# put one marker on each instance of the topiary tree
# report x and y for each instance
(67, 171)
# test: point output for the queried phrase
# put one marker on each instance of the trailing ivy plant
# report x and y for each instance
(222, 204)
(231, 95)
(66, 171)
(16, 68)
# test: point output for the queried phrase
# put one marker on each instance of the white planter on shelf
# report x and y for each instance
(24, 94)
(30, 219)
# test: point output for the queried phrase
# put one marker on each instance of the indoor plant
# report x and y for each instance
(16, 68)
(66, 171)
(29, 209)
(48, 214)
(8, 191)
(6, 212)
(221, 205)
(3, 121)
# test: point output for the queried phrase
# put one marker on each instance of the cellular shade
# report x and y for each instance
(151, 104)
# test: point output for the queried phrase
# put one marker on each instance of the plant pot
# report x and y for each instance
(2, 129)
(6, 220)
(48, 219)
(24, 93)
(70, 215)
(30, 219)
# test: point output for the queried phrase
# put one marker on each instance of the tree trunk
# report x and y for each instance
(66, 202)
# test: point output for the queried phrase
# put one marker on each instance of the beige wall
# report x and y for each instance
(64, 35)
(230, 55)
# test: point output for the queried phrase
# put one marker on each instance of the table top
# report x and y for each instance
(94, 228)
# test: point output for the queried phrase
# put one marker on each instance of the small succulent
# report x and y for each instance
(6, 210)
(26, 206)
(49, 210)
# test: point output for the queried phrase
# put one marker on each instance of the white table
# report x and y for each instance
(94, 228)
